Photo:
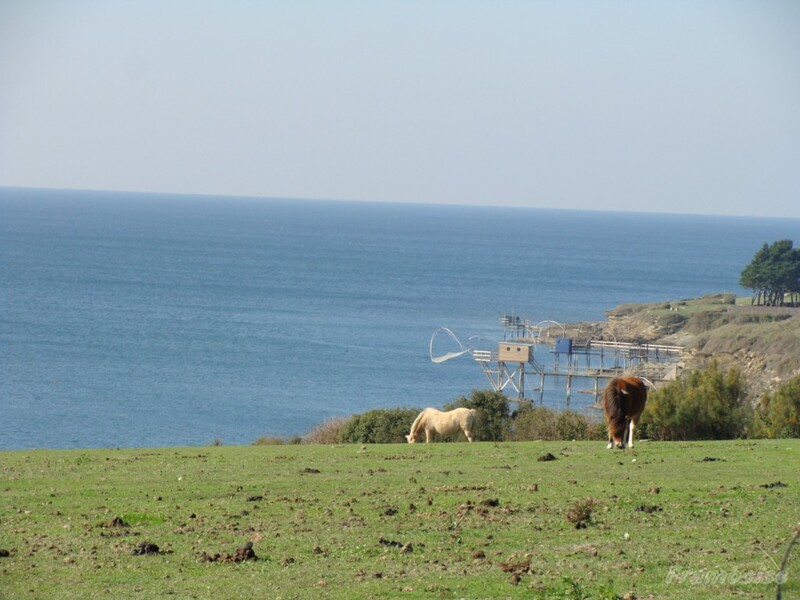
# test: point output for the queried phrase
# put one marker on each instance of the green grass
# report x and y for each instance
(664, 312)
(668, 520)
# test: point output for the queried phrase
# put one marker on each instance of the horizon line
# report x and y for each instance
(384, 202)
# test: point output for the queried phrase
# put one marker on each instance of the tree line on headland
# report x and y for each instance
(774, 274)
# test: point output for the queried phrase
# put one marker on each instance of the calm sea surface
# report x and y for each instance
(132, 320)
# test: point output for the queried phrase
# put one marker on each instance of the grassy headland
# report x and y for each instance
(763, 343)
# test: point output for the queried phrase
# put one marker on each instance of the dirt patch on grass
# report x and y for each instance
(116, 527)
(146, 549)
(580, 515)
(405, 547)
(241, 554)
(517, 569)
(774, 484)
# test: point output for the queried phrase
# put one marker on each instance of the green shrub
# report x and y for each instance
(723, 298)
(268, 441)
(575, 426)
(703, 405)
(706, 320)
(625, 309)
(328, 432)
(277, 441)
(539, 423)
(534, 423)
(492, 418)
(780, 411)
(380, 426)
(672, 321)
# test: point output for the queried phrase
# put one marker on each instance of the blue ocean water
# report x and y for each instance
(134, 320)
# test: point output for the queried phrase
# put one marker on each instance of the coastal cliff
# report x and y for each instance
(762, 342)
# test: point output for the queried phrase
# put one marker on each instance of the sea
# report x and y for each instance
(151, 320)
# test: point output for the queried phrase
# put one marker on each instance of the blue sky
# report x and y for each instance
(688, 107)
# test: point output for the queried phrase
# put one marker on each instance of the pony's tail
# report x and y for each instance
(613, 407)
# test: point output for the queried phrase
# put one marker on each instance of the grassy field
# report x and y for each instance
(482, 520)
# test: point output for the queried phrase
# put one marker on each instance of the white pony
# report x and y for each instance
(433, 421)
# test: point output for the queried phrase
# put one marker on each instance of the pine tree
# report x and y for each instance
(773, 273)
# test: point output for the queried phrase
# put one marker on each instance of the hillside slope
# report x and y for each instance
(764, 343)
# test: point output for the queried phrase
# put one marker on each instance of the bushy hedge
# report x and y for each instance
(492, 418)
(539, 423)
(493, 423)
(704, 405)
(328, 432)
(779, 412)
(380, 426)
(708, 404)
